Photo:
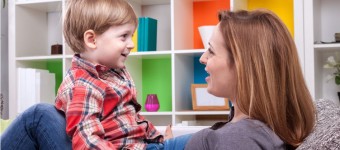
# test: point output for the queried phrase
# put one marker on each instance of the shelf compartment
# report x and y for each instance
(37, 27)
(283, 9)
(189, 15)
(152, 75)
(159, 10)
(40, 57)
(159, 120)
(187, 71)
(325, 25)
(325, 87)
(52, 65)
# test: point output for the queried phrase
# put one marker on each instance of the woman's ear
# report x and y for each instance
(90, 39)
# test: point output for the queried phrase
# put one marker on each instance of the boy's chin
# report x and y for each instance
(118, 67)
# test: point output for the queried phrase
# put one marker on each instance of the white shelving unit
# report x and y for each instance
(37, 24)
(320, 26)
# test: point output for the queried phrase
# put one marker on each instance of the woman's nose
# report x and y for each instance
(203, 58)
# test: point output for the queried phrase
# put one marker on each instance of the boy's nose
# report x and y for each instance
(130, 44)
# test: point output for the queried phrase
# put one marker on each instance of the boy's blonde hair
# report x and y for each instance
(97, 15)
(270, 83)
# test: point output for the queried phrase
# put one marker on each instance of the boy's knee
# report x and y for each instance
(38, 108)
(42, 107)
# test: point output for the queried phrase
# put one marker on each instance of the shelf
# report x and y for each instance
(151, 2)
(189, 51)
(327, 46)
(150, 55)
(42, 5)
(202, 112)
(40, 57)
(155, 113)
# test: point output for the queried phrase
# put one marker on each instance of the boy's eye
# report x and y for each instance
(124, 35)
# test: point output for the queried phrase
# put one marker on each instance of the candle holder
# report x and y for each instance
(151, 103)
(337, 37)
(56, 49)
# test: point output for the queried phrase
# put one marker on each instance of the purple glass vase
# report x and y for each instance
(151, 103)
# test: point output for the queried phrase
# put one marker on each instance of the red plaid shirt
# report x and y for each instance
(101, 108)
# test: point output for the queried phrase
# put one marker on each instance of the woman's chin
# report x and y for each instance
(210, 91)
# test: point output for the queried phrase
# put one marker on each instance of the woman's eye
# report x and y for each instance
(210, 52)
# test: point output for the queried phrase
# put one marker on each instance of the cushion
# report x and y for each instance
(4, 124)
(326, 134)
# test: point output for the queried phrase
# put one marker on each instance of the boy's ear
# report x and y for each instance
(90, 39)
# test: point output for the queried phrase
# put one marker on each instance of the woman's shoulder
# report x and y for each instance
(248, 133)
(244, 134)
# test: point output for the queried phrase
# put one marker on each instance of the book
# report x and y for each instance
(45, 86)
(29, 100)
(21, 83)
(147, 34)
(140, 34)
(135, 41)
(34, 86)
(150, 32)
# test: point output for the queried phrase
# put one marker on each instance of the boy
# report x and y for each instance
(98, 95)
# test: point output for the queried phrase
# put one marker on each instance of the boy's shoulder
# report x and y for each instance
(79, 77)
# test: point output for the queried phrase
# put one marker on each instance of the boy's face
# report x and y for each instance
(114, 45)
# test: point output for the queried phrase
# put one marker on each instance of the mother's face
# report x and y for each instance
(222, 75)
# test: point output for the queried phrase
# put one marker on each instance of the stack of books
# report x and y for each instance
(147, 34)
(34, 86)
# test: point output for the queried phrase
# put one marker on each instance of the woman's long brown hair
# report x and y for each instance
(270, 85)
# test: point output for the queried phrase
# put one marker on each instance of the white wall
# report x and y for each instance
(4, 60)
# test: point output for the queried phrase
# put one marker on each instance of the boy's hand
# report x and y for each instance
(168, 133)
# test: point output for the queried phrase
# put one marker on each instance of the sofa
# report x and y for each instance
(326, 134)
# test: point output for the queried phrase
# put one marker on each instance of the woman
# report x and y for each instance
(253, 61)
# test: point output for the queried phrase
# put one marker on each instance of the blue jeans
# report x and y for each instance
(42, 126)
(176, 143)
(39, 127)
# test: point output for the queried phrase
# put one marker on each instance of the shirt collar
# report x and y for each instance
(95, 69)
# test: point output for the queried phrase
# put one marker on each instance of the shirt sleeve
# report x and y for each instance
(153, 135)
(82, 119)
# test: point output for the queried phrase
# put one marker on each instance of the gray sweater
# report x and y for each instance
(245, 134)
